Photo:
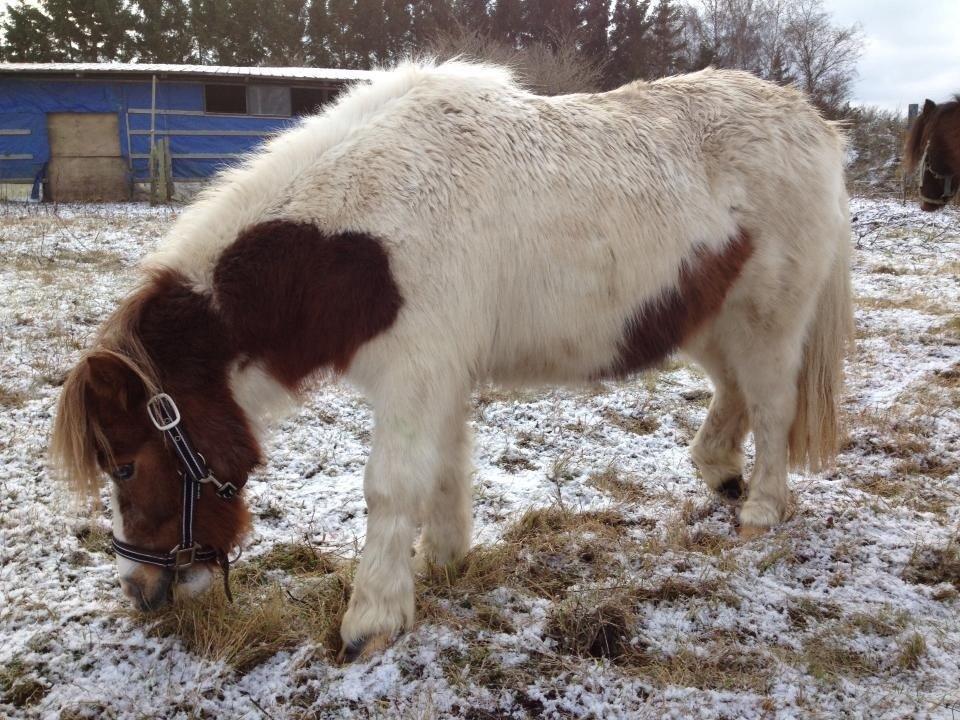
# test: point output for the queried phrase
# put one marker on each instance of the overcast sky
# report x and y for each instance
(912, 49)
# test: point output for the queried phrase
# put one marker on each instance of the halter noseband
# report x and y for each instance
(165, 416)
(949, 188)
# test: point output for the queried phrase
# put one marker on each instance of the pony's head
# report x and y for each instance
(164, 338)
(933, 148)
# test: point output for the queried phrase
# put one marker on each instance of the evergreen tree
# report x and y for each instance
(506, 22)
(430, 19)
(629, 41)
(340, 15)
(666, 45)
(319, 27)
(545, 21)
(163, 31)
(397, 29)
(84, 31)
(28, 34)
(367, 40)
(705, 57)
(240, 36)
(472, 15)
(282, 27)
(596, 23)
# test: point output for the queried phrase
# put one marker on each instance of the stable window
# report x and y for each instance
(268, 100)
(225, 99)
(306, 101)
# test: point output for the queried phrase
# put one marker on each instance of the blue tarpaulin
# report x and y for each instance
(197, 147)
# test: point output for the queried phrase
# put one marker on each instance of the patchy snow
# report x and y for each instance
(835, 575)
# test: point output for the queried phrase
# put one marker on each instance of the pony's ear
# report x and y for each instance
(929, 105)
(110, 379)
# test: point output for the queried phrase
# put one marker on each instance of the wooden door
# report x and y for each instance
(85, 160)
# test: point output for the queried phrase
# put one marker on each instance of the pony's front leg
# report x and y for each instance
(399, 484)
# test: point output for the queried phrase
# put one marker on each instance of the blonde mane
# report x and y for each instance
(77, 438)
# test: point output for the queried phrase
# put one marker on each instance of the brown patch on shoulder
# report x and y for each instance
(301, 299)
(660, 326)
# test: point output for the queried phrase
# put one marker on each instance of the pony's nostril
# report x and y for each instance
(147, 601)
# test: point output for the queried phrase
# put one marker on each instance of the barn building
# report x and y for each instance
(85, 132)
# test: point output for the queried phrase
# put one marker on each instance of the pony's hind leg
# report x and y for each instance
(447, 527)
(767, 365)
(717, 447)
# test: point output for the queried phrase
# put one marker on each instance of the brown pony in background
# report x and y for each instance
(933, 146)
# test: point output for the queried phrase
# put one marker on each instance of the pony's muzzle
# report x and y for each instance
(149, 591)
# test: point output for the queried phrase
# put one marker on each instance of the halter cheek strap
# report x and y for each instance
(165, 416)
(947, 179)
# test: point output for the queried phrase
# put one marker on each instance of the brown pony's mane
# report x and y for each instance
(920, 132)
(77, 438)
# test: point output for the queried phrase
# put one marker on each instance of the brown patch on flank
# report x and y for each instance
(301, 299)
(660, 326)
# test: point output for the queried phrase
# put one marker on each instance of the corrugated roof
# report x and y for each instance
(303, 73)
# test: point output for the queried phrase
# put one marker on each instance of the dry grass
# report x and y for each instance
(19, 686)
(545, 552)
(826, 658)
(722, 665)
(488, 394)
(885, 622)
(266, 617)
(950, 328)
(934, 566)
(806, 612)
(621, 489)
(885, 269)
(642, 425)
(679, 535)
(598, 624)
(949, 268)
(948, 377)
(11, 398)
(920, 303)
(912, 649)
(94, 538)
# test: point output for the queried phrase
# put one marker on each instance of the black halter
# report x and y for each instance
(165, 416)
(948, 179)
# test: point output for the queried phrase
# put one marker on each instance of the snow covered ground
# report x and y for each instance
(850, 609)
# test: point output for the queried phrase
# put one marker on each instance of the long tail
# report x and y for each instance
(815, 434)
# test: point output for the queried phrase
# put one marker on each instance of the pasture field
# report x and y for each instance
(606, 581)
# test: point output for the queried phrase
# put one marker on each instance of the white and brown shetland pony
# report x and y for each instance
(441, 226)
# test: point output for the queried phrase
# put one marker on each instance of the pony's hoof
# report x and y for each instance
(759, 515)
(732, 489)
(364, 648)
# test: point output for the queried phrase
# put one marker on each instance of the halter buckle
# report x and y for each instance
(183, 557)
(155, 407)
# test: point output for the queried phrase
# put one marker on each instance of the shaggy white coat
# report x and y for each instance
(523, 233)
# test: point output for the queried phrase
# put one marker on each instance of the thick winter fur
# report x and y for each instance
(441, 226)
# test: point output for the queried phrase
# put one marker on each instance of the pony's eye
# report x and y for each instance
(123, 472)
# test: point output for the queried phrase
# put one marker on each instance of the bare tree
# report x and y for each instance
(824, 56)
